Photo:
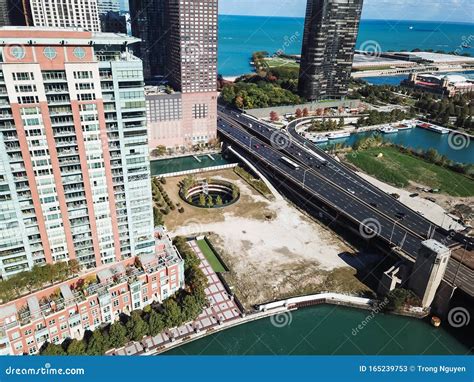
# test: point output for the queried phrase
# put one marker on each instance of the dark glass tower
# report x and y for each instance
(150, 23)
(15, 12)
(330, 34)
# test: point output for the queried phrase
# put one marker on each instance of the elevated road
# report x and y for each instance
(377, 213)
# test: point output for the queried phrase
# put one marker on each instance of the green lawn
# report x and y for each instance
(279, 62)
(210, 256)
(398, 169)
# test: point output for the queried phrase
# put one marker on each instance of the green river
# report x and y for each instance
(327, 330)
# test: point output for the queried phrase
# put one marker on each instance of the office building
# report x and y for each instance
(105, 6)
(74, 168)
(330, 34)
(65, 14)
(179, 41)
(113, 22)
(68, 309)
(149, 22)
(15, 12)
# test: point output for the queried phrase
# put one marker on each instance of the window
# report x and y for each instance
(50, 53)
(17, 52)
(79, 52)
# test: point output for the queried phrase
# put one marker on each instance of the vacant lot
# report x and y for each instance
(399, 169)
(273, 250)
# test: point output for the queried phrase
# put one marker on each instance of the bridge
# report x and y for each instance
(320, 180)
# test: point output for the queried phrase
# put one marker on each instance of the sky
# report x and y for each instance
(438, 10)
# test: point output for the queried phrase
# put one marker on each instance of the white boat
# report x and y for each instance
(388, 130)
(319, 139)
(436, 129)
(405, 126)
(338, 135)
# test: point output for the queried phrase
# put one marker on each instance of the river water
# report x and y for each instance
(457, 148)
(327, 330)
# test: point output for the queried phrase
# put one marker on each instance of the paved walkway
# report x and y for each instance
(222, 310)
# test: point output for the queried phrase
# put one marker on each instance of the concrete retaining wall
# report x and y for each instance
(312, 106)
(197, 170)
(326, 297)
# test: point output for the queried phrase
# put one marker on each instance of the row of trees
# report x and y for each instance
(183, 307)
(321, 125)
(38, 277)
(377, 117)
(162, 203)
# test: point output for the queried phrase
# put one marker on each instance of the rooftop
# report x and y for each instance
(61, 36)
(440, 57)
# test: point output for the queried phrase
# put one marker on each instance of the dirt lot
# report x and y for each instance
(272, 249)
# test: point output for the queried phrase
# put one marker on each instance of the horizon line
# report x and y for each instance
(362, 18)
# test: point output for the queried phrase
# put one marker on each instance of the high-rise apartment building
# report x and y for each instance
(74, 168)
(179, 39)
(66, 13)
(192, 57)
(330, 34)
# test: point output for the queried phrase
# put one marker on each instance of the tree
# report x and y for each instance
(52, 349)
(202, 200)
(117, 334)
(398, 298)
(76, 347)
(190, 308)
(156, 323)
(274, 116)
(341, 122)
(305, 112)
(210, 201)
(157, 217)
(98, 343)
(136, 327)
(74, 266)
(160, 150)
(298, 113)
(172, 313)
(219, 201)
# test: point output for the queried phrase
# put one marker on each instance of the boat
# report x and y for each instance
(410, 27)
(431, 127)
(319, 139)
(404, 126)
(387, 130)
(342, 134)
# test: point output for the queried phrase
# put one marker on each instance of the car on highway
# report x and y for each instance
(256, 146)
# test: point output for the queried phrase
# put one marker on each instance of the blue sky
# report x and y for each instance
(439, 10)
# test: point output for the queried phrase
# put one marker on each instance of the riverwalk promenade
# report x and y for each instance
(225, 312)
